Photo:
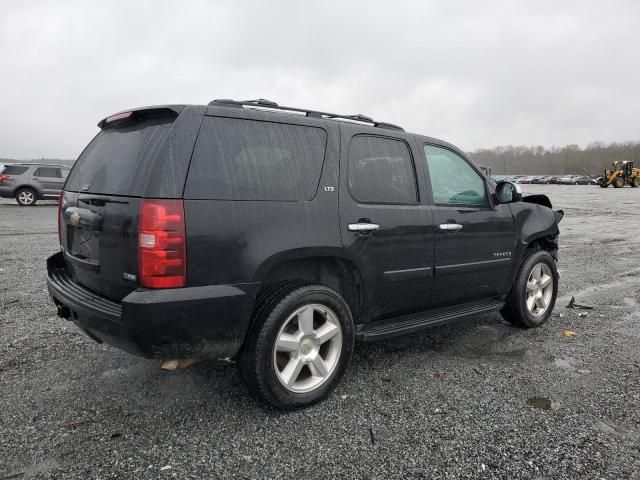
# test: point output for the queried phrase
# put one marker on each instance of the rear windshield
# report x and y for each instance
(237, 159)
(119, 160)
(12, 170)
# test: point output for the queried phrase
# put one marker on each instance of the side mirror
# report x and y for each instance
(507, 192)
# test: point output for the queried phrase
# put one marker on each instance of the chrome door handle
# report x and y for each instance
(450, 227)
(363, 227)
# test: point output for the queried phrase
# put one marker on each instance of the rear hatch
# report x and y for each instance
(130, 159)
(9, 175)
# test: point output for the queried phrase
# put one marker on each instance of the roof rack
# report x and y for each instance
(269, 105)
(38, 164)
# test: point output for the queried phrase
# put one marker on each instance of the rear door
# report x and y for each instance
(385, 227)
(474, 238)
(49, 179)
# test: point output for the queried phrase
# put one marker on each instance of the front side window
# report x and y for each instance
(453, 180)
(381, 171)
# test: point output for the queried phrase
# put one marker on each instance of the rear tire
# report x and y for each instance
(618, 182)
(300, 346)
(26, 197)
(534, 292)
(635, 183)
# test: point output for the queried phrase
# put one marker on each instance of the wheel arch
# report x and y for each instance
(30, 187)
(325, 266)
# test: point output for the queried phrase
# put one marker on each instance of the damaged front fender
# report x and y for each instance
(536, 224)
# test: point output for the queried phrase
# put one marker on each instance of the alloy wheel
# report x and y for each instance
(539, 289)
(26, 197)
(307, 348)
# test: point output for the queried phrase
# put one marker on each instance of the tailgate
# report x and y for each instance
(99, 235)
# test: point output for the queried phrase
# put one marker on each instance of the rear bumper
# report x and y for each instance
(6, 192)
(197, 322)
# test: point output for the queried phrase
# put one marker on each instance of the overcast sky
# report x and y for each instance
(476, 73)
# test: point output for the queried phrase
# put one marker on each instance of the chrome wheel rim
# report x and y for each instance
(307, 348)
(26, 197)
(539, 289)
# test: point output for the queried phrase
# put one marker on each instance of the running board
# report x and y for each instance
(393, 327)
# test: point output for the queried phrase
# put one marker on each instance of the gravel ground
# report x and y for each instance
(460, 401)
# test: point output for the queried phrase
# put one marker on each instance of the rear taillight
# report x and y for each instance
(4, 177)
(162, 244)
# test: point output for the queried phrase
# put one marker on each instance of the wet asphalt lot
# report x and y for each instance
(452, 402)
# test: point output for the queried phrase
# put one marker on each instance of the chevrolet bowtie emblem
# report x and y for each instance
(74, 219)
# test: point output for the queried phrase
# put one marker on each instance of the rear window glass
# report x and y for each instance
(13, 170)
(236, 159)
(119, 160)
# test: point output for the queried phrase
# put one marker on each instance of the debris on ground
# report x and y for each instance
(569, 333)
(540, 402)
(580, 306)
(171, 365)
(582, 315)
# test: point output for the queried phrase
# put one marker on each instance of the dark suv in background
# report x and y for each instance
(30, 182)
(278, 236)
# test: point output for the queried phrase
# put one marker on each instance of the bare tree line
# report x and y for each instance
(522, 160)
(571, 159)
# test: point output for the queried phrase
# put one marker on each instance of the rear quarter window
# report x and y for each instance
(237, 159)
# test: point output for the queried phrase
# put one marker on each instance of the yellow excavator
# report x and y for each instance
(622, 174)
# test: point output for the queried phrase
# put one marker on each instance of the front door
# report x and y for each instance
(385, 228)
(474, 238)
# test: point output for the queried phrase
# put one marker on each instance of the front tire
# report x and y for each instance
(26, 197)
(618, 182)
(300, 347)
(534, 292)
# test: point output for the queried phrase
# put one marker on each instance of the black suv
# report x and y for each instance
(278, 236)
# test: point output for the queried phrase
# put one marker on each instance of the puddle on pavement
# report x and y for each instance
(540, 402)
(564, 363)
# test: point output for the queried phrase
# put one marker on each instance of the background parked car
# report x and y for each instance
(30, 182)
(575, 180)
